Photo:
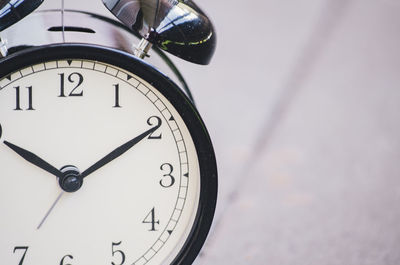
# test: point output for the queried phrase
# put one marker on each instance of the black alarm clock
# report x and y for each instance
(103, 158)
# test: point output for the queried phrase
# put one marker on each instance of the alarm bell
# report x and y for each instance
(12, 11)
(175, 26)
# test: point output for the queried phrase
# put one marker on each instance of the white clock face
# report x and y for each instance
(136, 206)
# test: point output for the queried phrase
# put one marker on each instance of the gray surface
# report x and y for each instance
(302, 102)
(318, 182)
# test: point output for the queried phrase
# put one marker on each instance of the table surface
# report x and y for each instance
(302, 103)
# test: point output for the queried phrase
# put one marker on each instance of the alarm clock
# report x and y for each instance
(104, 159)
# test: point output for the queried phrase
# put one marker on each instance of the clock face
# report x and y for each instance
(99, 163)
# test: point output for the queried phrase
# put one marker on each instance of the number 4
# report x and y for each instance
(23, 256)
(151, 219)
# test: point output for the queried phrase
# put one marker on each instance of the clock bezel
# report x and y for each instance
(188, 112)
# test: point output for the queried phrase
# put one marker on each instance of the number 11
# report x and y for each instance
(18, 97)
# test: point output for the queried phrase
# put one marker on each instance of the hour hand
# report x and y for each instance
(34, 159)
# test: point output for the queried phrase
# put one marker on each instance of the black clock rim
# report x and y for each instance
(190, 115)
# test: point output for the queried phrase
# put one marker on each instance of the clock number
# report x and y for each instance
(120, 252)
(116, 86)
(23, 256)
(158, 125)
(63, 259)
(17, 104)
(169, 168)
(18, 98)
(1, 131)
(72, 80)
(151, 219)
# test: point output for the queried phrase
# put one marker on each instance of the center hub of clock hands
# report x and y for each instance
(71, 179)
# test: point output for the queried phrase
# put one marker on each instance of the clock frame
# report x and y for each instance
(184, 106)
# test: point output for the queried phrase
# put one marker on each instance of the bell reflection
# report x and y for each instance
(3, 3)
(12, 11)
(178, 27)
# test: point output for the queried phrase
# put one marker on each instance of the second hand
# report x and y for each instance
(49, 211)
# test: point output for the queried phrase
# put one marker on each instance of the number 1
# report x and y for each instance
(116, 96)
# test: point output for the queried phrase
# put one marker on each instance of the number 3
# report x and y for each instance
(172, 181)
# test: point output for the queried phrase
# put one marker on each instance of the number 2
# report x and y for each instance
(158, 125)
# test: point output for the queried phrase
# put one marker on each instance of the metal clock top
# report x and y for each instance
(12, 11)
(179, 27)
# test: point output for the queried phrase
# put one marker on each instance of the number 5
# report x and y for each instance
(117, 252)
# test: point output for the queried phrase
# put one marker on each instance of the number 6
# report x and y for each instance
(66, 256)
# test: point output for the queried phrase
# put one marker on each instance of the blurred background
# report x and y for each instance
(302, 101)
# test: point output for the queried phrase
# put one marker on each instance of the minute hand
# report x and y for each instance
(116, 153)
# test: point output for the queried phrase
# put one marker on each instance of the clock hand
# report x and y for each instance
(108, 158)
(116, 153)
(34, 159)
(51, 209)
